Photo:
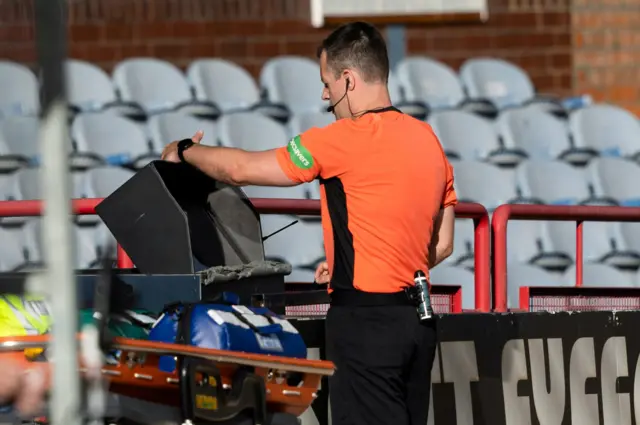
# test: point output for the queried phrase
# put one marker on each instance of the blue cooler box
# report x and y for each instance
(227, 327)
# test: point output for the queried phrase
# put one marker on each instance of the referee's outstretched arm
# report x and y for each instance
(442, 241)
(233, 166)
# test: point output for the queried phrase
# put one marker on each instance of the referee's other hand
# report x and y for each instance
(322, 273)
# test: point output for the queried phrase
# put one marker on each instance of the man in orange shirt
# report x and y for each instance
(387, 202)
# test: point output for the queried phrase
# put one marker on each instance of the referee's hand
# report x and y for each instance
(322, 273)
(170, 152)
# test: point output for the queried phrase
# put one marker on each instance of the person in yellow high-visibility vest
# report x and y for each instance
(24, 315)
(24, 387)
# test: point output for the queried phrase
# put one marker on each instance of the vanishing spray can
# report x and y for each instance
(425, 311)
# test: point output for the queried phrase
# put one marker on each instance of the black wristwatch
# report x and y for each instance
(183, 145)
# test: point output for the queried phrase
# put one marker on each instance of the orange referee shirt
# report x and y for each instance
(384, 178)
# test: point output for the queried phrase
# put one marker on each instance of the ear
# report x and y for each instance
(351, 78)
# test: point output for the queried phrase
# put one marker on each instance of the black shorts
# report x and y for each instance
(383, 357)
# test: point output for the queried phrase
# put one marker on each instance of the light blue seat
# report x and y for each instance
(158, 86)
(541, 135)
(430, 81)
(293, 81)
(526, 275)
(505, 84)
(456, 276)
(19, 88)
(600, 275)
(230, 87)
(470, 137)
(608, 129)
(616, 178)
(112, 139)
(484, 183)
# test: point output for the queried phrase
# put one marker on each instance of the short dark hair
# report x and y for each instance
(357, 45)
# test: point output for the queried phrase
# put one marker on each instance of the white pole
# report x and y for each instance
(57, 242)
(59, 250)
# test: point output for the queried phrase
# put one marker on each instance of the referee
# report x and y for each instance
(387, 201)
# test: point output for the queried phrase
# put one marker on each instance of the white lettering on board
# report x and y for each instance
(514, 369)
(549, 405)
(582, 365)
(460, 367)
(616, 408)
(436, 378)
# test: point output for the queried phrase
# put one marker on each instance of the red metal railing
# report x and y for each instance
(303, 207)
(579, 214)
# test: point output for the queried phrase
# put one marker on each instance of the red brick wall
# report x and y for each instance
(606, 37)
(539, 35)
(536, 38)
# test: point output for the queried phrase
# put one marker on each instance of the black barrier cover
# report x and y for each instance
(536, 368)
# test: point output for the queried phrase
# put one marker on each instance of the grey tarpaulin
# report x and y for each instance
(243, 271)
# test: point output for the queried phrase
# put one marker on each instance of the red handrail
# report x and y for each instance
(579, 214)
(303, 207)
(476, 212)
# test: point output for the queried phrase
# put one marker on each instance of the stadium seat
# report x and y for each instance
(470, 137)
(637, 278)
(616, 178)
(541, 136)
(430, 81)
(11, 252)
(106, 242)
(294, 82)
(90, 89)
(558, 183)
(88, 249)
(631, 235)
(529, 242)
(603, 242)
(463, 245)
(300, 276)
(224, 83)
(10, 191)
(608, 129)
(415, 108)
(251, 131)
(29, 188)
(285, 192)
(458, 276)
(111, 139)
(19, 88)
(484, 183)
(20, 247)
(230, 87)
(104, 180)
(158, 86)
(29, 184)
(301, 191)
(20, 146)
(301, 245)
(299, 123)
(519, 275)
(19, 141)
(165, 128)
(600, 275)
(504, 84)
